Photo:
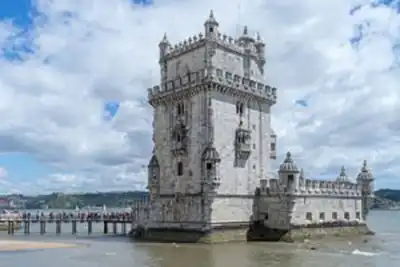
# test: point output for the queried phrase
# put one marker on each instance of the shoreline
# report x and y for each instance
(17, 245)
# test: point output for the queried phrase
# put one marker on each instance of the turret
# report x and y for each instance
(365, 180)
(211, 26)
(245, 39)
(288, 174)
(164, 46)
(342, 176)
(260, 48)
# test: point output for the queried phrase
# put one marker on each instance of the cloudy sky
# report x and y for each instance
(61, 62)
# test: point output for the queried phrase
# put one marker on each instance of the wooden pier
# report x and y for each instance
(24, 226)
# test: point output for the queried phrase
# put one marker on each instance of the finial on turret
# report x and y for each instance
(364, 166)
(245, 38)
(164, 40)
(342, 176)
(288, 164)
(301, 175)
(245, 30)
(211, 19)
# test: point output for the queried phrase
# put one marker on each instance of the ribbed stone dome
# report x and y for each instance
(364, 174)
(288, 164)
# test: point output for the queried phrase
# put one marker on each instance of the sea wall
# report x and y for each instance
(256, 232)
(300, 233)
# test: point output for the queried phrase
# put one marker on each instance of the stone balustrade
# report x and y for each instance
(314, 188)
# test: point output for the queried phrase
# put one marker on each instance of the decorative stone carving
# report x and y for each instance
(179, 139)
(242, 143)
(153, 175)
(210, 161)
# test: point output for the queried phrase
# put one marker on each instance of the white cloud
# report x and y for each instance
(3, 173)
(86, 52)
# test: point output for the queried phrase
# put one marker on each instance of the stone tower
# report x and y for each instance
(213, 141)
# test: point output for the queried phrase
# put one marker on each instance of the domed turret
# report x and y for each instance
(288, 174)
(288, 165)
(211, 25)
(342, 176)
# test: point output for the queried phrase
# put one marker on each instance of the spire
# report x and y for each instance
(164, 39)
(364, 166)
(365, 173)
(288, 158)
(245, 37)
(245, 31)
(211, 19)
(342, 176)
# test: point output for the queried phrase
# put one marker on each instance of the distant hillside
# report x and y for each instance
(70, 201)
(384, 199)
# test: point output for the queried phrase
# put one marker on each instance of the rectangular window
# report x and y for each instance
(322, 216)
(219, 73)
(334, 216)
(179, 169)
(347, 216)
(273, 146)
(358, 215)
(228, 75)
(309, 216)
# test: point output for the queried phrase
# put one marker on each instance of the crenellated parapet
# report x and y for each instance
(294, 182)
(221, 40)
(226, 80)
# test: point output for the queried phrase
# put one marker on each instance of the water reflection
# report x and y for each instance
(244, 255)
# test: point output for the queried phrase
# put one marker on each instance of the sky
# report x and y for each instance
(73, 79)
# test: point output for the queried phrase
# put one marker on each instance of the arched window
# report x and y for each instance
(180, 109)
(179, 168)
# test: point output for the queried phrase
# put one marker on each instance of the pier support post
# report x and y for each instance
(115, 227)
(27, 227)
(42, 227)
(10, 227)
(105, 227)
(74, 230)
(58, 227)
(90, 226)
(124, 227)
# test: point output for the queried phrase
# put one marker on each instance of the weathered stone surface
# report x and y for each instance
(213, 151)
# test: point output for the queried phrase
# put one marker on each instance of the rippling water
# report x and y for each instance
(380, 250)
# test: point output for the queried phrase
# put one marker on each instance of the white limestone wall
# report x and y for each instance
(236, 180)
(162, 125)
(326, 205)
(186, 213)
(229, 209)
(198, 141)
(233, 63)
(194, 60)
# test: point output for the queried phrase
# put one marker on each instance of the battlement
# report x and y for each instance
(231, 80)
(314, 187)
(223, 40)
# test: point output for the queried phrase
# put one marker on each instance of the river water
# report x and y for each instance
(381, 250)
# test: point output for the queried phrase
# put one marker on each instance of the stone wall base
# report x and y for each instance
(256, 232)
(302, 233)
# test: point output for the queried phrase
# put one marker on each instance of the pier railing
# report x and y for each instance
(115, 226)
